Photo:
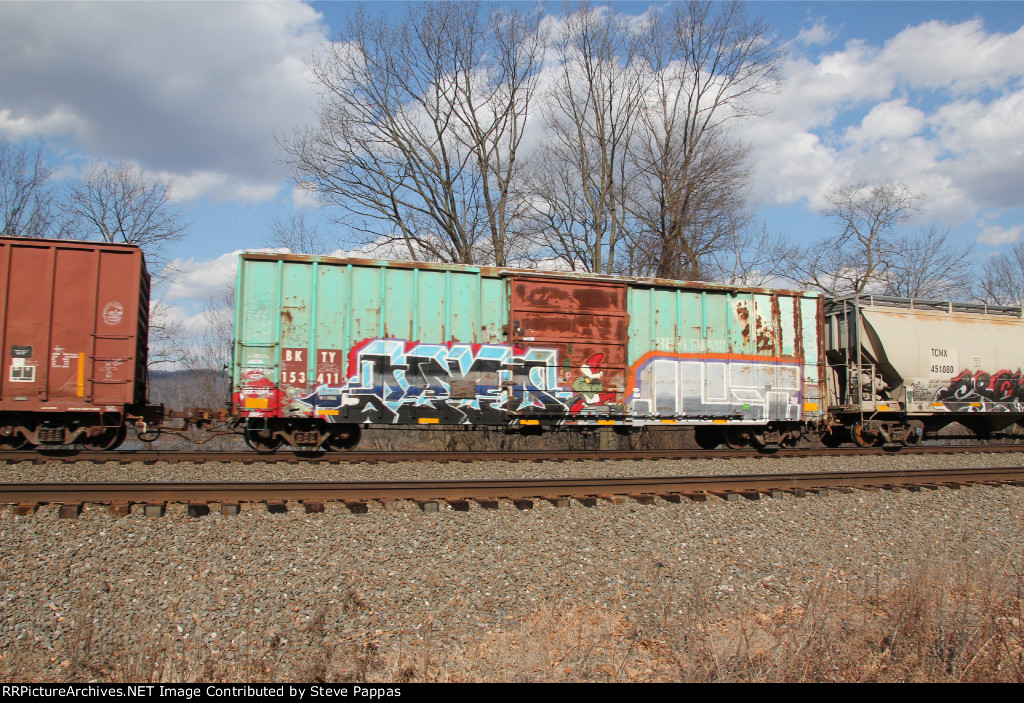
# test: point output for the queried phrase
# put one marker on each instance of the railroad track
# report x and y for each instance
(152, 456)
(202, 496)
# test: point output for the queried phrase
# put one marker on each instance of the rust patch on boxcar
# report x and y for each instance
(798, 328)
(743, 315)
(767, 332)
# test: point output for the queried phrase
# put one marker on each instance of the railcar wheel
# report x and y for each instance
(834, 436)
(707, 437)
(736, 439)
(110, 439)
(261, 441)
(915, 433)
(344, 440)
(862, 438)
(13, 443)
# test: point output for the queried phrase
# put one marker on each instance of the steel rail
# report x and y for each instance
(247, 491)
(179, 456)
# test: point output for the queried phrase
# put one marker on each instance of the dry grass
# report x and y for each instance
(943, 623)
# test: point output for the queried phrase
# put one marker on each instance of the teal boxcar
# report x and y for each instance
(325, 346)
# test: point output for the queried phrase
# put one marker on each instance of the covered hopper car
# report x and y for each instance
(325, 348)
(900, 368)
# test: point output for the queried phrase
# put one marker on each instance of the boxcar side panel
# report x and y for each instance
(718, 356)
(353, 342)
(74, 332)
(371, 343)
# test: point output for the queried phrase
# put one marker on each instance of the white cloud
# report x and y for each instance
(888, 120)
(820, 33)
(201, 281)
(218, 186)
(959, 57)
(937, 106)
(996, 235)
(187, 88)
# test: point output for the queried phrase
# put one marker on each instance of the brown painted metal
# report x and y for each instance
(73, 325)
(585, 320)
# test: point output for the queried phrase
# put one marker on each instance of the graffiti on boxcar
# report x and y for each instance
(1003, 390)
(396, 381)
(589, 385)
(668, 385)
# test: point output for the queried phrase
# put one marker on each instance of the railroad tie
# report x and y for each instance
(557, 501)
(70, 511)
(356, 507)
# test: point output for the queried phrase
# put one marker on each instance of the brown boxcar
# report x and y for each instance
(73, 331)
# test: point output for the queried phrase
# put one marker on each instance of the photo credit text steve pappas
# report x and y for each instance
(192, 692)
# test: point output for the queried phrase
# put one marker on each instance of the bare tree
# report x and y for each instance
(26, 196)
(122, 203)
(754, 257)
(581, 177)
(707, 61)
(299, 237)
(859, 256)
(929, 265)
(1002, 278)
(420, 124)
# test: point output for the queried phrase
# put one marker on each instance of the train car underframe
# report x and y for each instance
(97, 431)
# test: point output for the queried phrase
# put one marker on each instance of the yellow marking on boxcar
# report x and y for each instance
(606, 422)
(881, 407)
(975, 405)
(429, 420)
(327, 411)
(720, 422)
(257, 403)
(938, 405)
(670, 422)
(529, 422)
(810, 407)
(81, 376)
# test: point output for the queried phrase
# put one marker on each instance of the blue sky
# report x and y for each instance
(928, 93)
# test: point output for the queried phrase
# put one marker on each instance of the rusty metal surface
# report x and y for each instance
(267, 492)
(585, 321)
(506, 271)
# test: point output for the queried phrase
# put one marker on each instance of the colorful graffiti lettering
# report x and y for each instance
(1004, 388)
(396, 381)
(673, 385)
(402, 382)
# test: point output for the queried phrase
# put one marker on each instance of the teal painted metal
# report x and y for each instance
(336, 339)
(312, 308)
(735, 354)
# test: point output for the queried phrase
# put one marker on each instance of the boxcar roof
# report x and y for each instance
(499, 271)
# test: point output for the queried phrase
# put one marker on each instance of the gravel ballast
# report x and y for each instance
(299, 597)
